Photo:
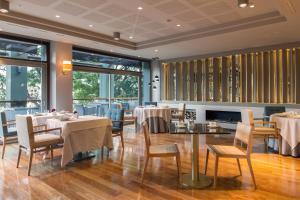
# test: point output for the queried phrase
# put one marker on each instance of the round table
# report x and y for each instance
(195, 179)
(290, 133)
(158, 118)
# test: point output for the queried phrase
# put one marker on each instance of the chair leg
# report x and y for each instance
(216, 171)
(239, 165)
(266, 139)
(122, 139)
(145, 168)
(51, 151)
(279, 140)
(19, 156)
(178, 161)
(30, 162)
(206, 160)
(251, 171)
(3, 147)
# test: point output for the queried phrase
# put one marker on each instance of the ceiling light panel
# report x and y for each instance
(188, 16)
(216, 8)
(118, 25)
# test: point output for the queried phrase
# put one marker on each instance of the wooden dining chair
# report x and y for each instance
(265, 129)
(162, 150)
(35, 141)
(244, 135)
(7, 131)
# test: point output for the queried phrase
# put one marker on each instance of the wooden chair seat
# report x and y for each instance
(264, 130)
(164, 150)
(46, 140)
(227, 151)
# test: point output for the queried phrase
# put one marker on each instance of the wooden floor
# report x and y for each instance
(118, 177)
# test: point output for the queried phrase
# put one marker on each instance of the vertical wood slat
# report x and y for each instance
(297, 75)
(272, 77)
(254, 69)
(192, 80)
(284, 76)
(199, 80)
(260, 78)
(184, 81)
(278, 75)
(293, 73)
(224, 82)
(243, 79)
(233, 77)
(207, 80)
(248, 78)
(266, 77)
(171, 92)
(216, 78)
(178, 81)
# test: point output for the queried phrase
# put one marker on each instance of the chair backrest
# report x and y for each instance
(269, 110)
(147, 136)
(10, 114)
(150, 103)
(90, 110)
(79, 108)
(3, 128)
(117, 117)
(243, 134)
(125, 105)
(25, 131)
(247, 117)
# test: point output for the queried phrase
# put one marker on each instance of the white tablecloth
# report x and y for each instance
(290, 133)
(84, 134)
(160, 118)
(42, 119)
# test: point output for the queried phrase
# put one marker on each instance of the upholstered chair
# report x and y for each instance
(35, 141)
(117, 117)
(7, 131)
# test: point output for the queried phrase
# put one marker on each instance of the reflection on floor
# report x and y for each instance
(118, 177)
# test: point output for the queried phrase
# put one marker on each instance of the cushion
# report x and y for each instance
(116, 129)
(164, 149)
(11, 131)
(47, 139)
(227, 150)
(263, 129)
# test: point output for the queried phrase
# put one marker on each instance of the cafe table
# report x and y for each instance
(195, 179)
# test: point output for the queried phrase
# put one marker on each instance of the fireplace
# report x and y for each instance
(223, 116)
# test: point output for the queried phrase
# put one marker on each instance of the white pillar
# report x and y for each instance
(61, 85)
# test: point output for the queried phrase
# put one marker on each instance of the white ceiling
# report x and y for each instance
(108, 16)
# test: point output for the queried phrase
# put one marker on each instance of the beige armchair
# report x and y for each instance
(35, 141)
(262, 128)
(179, 113)
(162, 150)
(243, 134)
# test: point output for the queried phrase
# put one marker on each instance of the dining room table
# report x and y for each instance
(158, 118)
(288, 124)
(197, 131)
(83, 134)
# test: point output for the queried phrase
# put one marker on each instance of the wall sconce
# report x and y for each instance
(67, 66)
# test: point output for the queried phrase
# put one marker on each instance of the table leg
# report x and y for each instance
(195, 179)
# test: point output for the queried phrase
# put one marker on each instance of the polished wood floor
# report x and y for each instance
(118, 177)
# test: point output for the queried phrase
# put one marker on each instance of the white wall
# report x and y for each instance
(60, 84)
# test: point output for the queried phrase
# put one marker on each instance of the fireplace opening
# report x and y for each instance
(223, 116)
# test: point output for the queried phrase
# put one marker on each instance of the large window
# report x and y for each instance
(23, 74)
(103, 79)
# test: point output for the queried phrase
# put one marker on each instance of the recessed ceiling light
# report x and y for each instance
(178, 25)
(91, 25)
(130, 37)
(4, 6)
(140, 8)
(243, 3)
(156, 50)
(57, 16)
(252, 6)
